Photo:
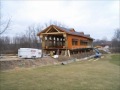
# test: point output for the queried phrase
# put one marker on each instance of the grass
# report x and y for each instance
(102, 74)
(115, 59)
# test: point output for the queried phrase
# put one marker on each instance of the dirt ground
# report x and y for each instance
(9, 58)
(12, 62)
(8, 62)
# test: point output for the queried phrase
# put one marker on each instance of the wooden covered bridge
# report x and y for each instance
(65, 41)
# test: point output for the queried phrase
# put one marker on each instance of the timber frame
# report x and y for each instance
(64, 41)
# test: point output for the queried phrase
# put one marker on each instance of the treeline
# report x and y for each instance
(28, 39)
(116, 42)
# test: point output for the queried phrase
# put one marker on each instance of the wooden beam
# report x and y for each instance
(54, 33)
(56, 29)
(43, 42)
(48, 29)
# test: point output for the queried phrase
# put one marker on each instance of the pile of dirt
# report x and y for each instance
(12, 64)
(74, 56)
(63, 58)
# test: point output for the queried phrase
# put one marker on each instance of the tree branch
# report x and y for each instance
(6, 27)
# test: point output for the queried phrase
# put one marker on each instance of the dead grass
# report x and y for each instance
(83, 75)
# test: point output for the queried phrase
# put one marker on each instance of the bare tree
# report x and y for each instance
(55, 23)
(28, 39)
(116, 41)
(4, 44)
(99, 42)
(117, 34)
(3, 28)
(3, 25)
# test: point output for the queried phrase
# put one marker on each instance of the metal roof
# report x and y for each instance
(73, 33)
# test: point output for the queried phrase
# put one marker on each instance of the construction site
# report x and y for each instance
(59, 45)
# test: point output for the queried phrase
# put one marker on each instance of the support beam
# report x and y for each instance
(69, 53)
(54, 33)
(55, 41)
(56, 29)
(52, 40)
(48, 29)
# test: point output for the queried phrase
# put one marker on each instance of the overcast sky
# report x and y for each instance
(99, 18)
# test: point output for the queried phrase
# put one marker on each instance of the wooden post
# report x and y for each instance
(62, 41)
(47, 42)
(55, 41)
(62, 52)
(65, 52)
(69, 53)
(43, 43)
(58, 41)
(52, 39)
(66, 44)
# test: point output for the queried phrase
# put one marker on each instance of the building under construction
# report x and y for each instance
(64, 41)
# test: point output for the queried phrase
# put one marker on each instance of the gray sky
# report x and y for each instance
(99, 18)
